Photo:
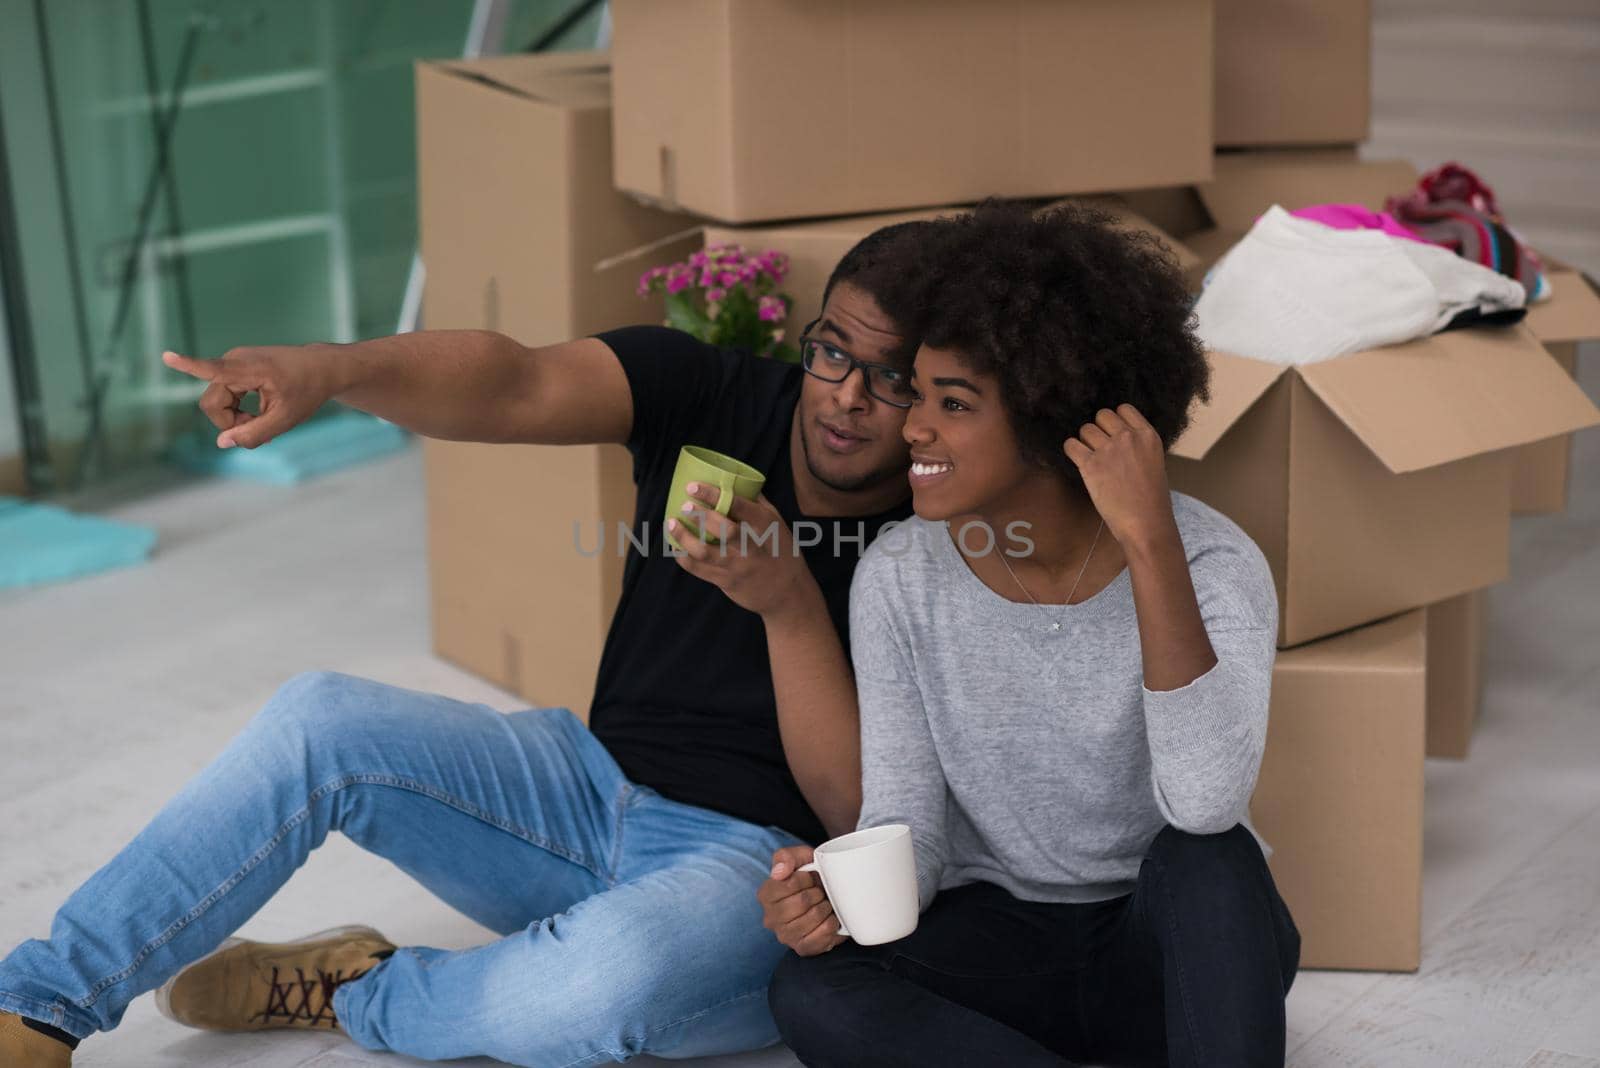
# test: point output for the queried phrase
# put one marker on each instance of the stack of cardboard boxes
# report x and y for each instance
(1379, 485)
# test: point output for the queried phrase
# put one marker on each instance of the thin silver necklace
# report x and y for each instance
(1055, 626)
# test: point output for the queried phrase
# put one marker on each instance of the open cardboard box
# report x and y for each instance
(1378, 481)
(770, 109)
(517, 208)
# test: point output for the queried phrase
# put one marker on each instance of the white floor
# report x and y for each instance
(115, 689)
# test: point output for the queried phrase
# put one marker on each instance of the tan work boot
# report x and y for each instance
(253, 986)
(23, 1047)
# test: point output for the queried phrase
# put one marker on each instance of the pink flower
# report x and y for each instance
(647, 280)
(678, 281)
(715, 294)
(728, 278)
(708, 277)
(771, 310)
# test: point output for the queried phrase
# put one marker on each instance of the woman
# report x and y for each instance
(1063, 670)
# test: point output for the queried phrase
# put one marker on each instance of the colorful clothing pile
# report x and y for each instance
(1454, 208)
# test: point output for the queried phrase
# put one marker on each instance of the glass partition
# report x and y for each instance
(197, 175)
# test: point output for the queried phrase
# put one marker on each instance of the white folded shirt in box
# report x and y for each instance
(1295, 291)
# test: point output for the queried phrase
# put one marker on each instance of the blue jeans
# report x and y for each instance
(629, 922)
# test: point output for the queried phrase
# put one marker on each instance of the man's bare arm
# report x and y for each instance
(461, 385)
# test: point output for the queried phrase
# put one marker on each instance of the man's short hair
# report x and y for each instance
(889, 265)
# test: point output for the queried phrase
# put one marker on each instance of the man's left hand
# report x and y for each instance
(1124, 468)
(755, 563)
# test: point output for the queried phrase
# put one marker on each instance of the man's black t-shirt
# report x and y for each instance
(684, 699)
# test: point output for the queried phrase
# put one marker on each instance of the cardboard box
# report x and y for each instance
(815, 248)
(1374, 482)
(1293, 72)
(750, 110)
(1214, 216)
(1340, 794)
(517, 206)
(1540, 471)
(1455, 677)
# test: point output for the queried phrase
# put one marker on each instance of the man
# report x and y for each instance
(620, 866)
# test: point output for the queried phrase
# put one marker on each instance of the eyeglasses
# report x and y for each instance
(832, 364)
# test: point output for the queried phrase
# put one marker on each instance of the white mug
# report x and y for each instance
(871, 879)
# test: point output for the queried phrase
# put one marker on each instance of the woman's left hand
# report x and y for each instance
(1124, 467)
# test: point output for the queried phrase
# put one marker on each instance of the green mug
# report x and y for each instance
(731, 477)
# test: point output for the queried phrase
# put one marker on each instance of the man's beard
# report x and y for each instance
(854, 485)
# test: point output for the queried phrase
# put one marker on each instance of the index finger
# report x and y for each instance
(205, 370)
(790, 859)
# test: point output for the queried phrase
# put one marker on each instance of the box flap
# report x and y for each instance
(1571, 314)
(1452, 395)
(567, 79)
(1248, 183)
(1236, 384)
(651, 248)
(1126, 218)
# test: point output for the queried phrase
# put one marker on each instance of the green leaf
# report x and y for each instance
(682, 314)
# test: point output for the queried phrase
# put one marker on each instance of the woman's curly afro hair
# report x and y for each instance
(1071, 313)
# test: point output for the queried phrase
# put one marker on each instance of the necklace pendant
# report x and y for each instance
(1055, 626)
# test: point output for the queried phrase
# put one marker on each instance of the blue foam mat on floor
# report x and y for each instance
(311, 449)
(43, 543)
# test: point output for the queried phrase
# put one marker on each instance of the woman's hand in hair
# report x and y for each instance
(1124, 468)
(794, 906)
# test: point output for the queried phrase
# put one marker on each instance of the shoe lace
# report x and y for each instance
(293, 997)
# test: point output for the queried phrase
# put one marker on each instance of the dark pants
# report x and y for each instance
(1190, 969)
